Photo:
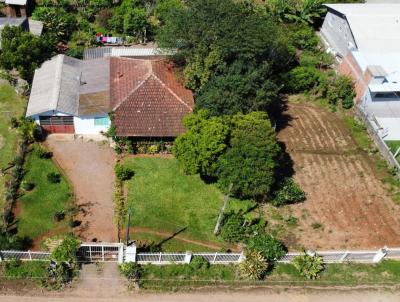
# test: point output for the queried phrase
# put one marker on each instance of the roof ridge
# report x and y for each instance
(171, 91)
(132, 92)
(58, 79)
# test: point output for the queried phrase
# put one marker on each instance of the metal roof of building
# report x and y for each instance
(16, 2)
(134, 52)
(11, 21)
(375, 27)
(56, 86)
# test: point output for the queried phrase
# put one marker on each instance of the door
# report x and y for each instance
(57, 124)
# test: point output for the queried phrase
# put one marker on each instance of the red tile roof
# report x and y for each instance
(147, 99)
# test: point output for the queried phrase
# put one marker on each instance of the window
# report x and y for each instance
(101, 121)
(56, 120)
(386, 95)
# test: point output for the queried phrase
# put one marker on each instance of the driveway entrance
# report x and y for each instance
(90, 168)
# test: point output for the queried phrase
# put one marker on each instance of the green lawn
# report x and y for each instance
(39, 205)
(170, 244)
(164, 199)
(11, 105)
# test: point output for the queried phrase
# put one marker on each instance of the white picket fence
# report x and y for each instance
(101, 252)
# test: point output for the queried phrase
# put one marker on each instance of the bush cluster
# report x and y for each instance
(123, 173)
(287, 192)
(54, 177)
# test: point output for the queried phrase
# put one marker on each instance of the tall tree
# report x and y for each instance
(200, 147)
(23, 51)
(250, 162)
(213, 34)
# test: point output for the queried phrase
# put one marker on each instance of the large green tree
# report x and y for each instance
(200, 147)
(213, 34)
(250, 162)
(58, 23)
(23, 51)
(238, 91)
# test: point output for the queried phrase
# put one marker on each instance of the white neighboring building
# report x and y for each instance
(366, 40)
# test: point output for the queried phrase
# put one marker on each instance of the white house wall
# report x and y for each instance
(336, 31)
(85, 125)
(393, 127)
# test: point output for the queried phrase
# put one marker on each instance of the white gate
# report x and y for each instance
(100, 252)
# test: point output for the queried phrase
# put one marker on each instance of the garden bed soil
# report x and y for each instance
(344, 193)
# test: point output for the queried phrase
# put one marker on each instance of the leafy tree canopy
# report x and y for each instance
(199, 148)
(212, 34)
(57, 22)
(250, 162)
(23, 51)
(238, 91)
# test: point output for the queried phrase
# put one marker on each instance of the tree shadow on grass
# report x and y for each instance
(157, 247)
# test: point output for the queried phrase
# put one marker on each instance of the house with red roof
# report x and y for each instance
(76, 96)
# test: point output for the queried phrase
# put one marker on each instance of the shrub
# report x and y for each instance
(269, 247)
(131, 271)
(304, 38)
(199, 263)
(232, 228)
(338, 89)
(152, 149)
(309, 266)
(27, 186)
(63, 267)
(67, 249)
(302, 79)
(254, 267)
(288, 192)
(123, 173)
(54, 177)
(58, 216)
(42, 152)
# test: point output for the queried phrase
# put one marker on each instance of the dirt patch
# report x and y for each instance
(89, 166)
(36, 244)
(17, 209)
(344, 195)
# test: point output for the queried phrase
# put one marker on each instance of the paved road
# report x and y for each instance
(253, 296)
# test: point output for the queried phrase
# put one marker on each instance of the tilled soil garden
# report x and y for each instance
(347, 205)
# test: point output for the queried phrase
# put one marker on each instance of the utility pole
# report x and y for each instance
(221, 213)
(129, 224)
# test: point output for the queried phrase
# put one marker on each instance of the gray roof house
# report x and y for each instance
(366, 41)
(75, 96)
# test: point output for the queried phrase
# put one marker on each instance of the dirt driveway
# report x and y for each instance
(347, 206)
(90, 168)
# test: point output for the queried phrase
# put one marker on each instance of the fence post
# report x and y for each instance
(102, 252)
(242, 257)
(29, 253)
(344, 256)
(380, 254)
(130, 253)
(90, 253)
(188, 257)
(121, 255)
(215, 257)
(159, 259)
